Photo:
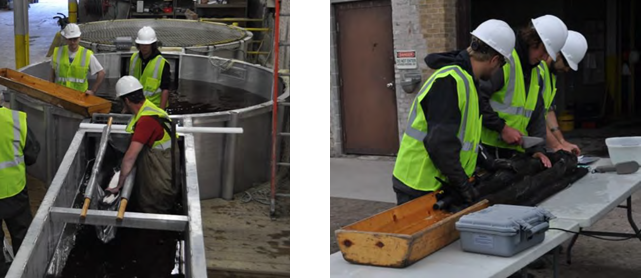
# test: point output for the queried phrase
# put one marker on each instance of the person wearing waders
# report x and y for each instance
(150, 68)
(444, 126)
(150, 150)
(569, 58)
(71, 64)
(511, 102)
(18, 149)
(153, 191)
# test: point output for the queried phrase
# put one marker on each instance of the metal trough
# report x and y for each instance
(56, 219)
(227, 163)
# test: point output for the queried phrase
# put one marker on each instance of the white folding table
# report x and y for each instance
(592, 197)
(579, 206)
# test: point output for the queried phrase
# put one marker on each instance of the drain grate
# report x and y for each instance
(172, 33)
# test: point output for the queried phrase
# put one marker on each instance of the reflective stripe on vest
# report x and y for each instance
(154, 76)
(149, 109)
(12, 166)
(549, 83)
(420, 135)
(151, 90)
(70, 78)
(507, 105)
(514, 103)
(413, 166)
(17, 157)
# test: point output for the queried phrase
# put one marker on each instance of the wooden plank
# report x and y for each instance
(55, 94)
(401, 235)
(400, 217)
(373, 248)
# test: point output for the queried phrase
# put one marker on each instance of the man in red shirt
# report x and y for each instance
(149, 150)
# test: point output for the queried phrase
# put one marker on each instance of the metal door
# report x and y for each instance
(366, 70)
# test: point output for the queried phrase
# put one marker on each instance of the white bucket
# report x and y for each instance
(624, 149)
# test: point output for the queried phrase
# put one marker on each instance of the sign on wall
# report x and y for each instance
(405, 59)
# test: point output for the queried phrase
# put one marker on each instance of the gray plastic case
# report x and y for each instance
(503, 230)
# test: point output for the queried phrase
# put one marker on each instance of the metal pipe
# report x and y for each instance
(73, 11)
(49, 141)
(21, 30)
(126, 193)
(139, 220)
(104, 139)
(230, 157)
(97, 127)
(275, 108)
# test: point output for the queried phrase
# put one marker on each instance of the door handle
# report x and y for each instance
(390, 85)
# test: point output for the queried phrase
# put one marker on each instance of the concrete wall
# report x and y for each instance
(426, 26)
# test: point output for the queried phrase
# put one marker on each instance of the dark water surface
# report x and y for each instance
(193, 97)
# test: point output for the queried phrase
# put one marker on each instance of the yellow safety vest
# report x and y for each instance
(74, 74)
(149, 109)
(12, 142)
(149, 77)
(549, 91)
(413, 165)
(512, 104)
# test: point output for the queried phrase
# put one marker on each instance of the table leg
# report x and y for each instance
(569, 254)
(555, 264)
(630, 219)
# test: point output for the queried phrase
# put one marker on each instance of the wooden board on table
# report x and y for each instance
(402, 235)
(55, 94)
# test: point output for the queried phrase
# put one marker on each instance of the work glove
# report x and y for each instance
(468, 193)
(502, 164)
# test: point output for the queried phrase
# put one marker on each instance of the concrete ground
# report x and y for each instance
(42, 29)
(361, 187)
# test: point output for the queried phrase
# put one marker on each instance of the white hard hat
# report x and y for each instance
(574, 49)
(127, 85)
(71, 31)
(496, 34)
(553, 33)
(146, 35)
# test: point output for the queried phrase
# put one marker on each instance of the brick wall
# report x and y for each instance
(426, 26)
(335, 121)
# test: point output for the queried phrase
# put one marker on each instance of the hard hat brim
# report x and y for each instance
(574, 66)
(145, 41)
(70, 37)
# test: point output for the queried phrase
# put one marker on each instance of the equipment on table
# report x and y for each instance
(529, 141)
(503, 230)
(586, 160)
(623, 168)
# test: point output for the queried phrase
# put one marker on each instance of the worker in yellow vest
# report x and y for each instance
(444, 126)
(18, 148)
(151, 68)
(70, 72)
(569, 58)
(511, 102)
(150, 150)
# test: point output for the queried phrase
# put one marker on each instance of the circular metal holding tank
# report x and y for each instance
(195, 37)
(226, 163)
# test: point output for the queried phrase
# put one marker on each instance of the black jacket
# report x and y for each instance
(165, 81)
(491, 119)
(443, 119)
